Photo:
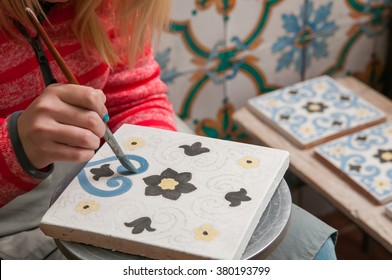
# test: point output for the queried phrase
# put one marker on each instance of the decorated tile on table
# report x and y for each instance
(365, 158)
(315, 111)
(192, 197)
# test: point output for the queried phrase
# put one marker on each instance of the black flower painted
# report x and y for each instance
(337, 123)
(384, 155)
(103, 171)
(293, 92)
(235, 198)
(170, 184)
(361, 138)
(344, 98)
(194, 150)
(140, 225)
(356, 168)
(315, 107)
(284, 117)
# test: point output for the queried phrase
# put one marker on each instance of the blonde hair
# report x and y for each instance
(135, 23)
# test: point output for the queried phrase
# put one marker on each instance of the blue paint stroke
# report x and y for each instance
(119, 184)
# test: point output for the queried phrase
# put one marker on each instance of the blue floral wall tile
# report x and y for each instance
(358, 43)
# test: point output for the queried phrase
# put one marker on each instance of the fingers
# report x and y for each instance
(82, 97)
(70, 154)
(75, 105)
(64, 123)
(79, 117)
(50, 141)
(60, 152)
(75, 137)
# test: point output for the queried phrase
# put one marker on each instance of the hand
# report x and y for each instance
(63, 124)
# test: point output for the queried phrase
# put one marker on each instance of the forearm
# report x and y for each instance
(14, 180)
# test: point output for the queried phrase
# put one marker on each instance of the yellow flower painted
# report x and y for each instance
(272, 103)
(388, 131)
(307, 129)
(249, 162)
(134, 143)
(381, 184)
(386, 156)
(86, 207)
(205, 233)
(168, 184)
(320, 86)
(362, 112)
(338, 150)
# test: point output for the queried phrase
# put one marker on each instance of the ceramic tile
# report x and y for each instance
(365, 158)
(280, 36)
(314, 111)
(351, 36)
(192, 197)
(195, 97)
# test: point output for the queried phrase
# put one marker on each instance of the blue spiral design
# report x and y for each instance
(117, 185)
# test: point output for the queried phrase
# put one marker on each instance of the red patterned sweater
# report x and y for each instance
(135, 96)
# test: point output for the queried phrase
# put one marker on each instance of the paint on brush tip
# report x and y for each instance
(127, 164)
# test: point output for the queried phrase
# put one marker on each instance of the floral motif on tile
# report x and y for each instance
(119, 183)
(195, 149)
(170, 184)
(205, 233)
(236, 198)
(223, 127)
(102, 171)
(86, 207)
(384, 155)
(249, 162)
(140, 225)
(134, 143)
(309, 39)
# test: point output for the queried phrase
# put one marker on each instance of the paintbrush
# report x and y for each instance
(109, 138)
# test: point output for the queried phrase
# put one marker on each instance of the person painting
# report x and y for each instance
(108, 46)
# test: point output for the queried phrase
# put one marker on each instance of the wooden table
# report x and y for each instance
(363, 212)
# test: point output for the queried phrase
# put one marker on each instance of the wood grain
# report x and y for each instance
(358, 208)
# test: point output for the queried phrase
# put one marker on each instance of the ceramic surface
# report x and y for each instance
(192, 197)
(365, 158)
(315, 110)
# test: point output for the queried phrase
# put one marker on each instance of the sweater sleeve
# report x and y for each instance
(138, 96)
(14, 181)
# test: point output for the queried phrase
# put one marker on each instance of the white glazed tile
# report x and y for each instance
(365, 158)
(222, 191)
(314, 111)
